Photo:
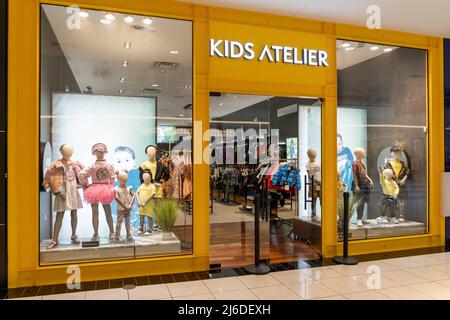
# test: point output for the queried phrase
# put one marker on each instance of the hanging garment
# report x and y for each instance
(287, 176)
(176, 179)
(187, 182)
(230, 179)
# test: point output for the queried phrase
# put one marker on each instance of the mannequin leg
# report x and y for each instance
(109, 219)
(141, 223)
(128, 226)
(74, 222)
(119, 224)
(58, 225)
(95, 219)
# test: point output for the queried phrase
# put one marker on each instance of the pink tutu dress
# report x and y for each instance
(102, 188)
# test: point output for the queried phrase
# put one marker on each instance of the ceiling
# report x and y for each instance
(413, 16)
(96, 52)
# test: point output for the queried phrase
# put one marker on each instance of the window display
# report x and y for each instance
(105, 92)
(382, 140)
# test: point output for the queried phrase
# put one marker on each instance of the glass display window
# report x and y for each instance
(115, 135)
(382, 139)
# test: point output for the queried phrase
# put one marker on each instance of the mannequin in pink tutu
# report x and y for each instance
(101, 190)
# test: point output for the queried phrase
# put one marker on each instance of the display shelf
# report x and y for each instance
(142, 246)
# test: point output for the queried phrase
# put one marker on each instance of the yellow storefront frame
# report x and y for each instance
(23, 134)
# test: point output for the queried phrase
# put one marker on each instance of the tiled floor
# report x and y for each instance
(422, 277)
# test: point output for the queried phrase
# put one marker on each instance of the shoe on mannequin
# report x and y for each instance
(359, 223)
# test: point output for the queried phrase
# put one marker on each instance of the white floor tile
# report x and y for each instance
(334, 298)
(236, 295)
(377, 281)
(402, 263)
(349, 270)
(430, 273)
(321, 273)
(253, 281)
(191, 288)
(380, 264)
(311, 290)
(275, 293)
(344, 285)
(445, 267)
(110, 294)
(404, 293)
(66, 296)
(366, 295)
(444, 282)
(404, 278)
(208, 296)
(224, 285)
(433, 289)
(153, 292)
(292, 276)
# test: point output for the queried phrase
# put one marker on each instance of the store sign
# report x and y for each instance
(271, 53)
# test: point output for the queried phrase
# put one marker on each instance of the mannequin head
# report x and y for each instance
(122, 177)
(147, 177)
(99, 150)
(396, 153)
(388, 174)
(360, 153)
(151, 152)
(66, 151)
(312, 154)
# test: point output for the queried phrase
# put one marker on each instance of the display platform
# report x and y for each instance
(142, 246)
(375, 231)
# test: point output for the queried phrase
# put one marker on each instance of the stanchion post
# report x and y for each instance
(345, 259)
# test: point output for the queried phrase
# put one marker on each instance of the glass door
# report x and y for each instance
(265, 159)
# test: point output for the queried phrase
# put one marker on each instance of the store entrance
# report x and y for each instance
(268, 148)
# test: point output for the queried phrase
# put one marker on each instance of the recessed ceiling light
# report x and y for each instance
(163, 71)
(235, 97)
(83, 14)
(374, 48)
(174, 52)
(125, 64)
(147, 21)
(181, 115)
(122, 79)
(188, 86)
(110, 17)
(127, 44)
(105, 21)
(155, 85)
(388, 50)
(121, 91)
(346, 45)
(349, 49)
(221, 104)
(128, 19)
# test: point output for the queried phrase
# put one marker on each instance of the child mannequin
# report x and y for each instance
(101, 189)
(401, 175)
(160, 173)
(125, 199)
(388, 202)
(361, 186)
(65, 190)
(145, 194)
(341, 188)
(314, 170)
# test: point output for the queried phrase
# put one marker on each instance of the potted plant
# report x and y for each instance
(166, 212)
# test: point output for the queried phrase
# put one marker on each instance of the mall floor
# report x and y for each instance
(419, 277)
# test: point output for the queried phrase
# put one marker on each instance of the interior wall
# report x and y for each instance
(392, 98)
(56, 76)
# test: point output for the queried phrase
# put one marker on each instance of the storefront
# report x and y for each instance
(102, 92)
